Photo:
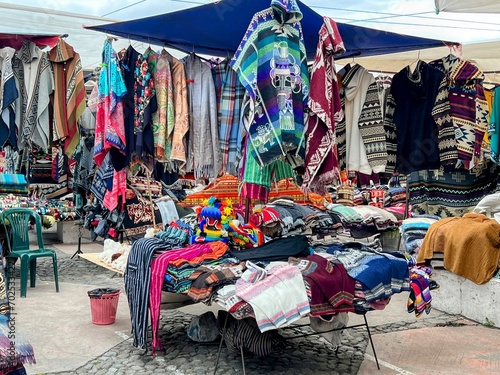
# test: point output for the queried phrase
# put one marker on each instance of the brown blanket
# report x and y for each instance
(471, 246)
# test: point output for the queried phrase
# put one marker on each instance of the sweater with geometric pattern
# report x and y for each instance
(417, 123)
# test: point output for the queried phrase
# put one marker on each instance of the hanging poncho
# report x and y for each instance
(321, 163)
(271, 64)
(8, 94)
(109, 128)
(69, 94)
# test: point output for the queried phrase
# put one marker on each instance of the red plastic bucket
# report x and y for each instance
(103, 308)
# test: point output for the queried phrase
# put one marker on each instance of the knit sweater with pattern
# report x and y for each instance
(418, 125)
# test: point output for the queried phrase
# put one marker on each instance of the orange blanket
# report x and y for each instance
(471, 246)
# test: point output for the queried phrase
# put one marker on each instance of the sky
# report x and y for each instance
(413, 17)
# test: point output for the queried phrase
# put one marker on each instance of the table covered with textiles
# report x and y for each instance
(271, 286)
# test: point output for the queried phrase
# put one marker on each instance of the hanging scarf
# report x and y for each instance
(204, 151)
(69, 94)
(109, 128)
(321, 164)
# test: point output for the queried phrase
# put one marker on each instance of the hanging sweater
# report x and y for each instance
(418, 125)
(271, 64)
(69, 94)
(359, 98)
(468, 106)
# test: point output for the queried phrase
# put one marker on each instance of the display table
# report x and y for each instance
(94, 258)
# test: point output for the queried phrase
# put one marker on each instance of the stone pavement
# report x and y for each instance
(399, 337)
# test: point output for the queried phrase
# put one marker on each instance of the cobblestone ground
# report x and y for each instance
(304, 355)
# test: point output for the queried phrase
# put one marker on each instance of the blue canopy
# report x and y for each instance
(216, 29)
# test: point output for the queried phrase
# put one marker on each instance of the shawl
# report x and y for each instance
(204, 148)
(466, 253)
(109, 128)
(468, 106)
(178, 153)
(163, 118)
(271, 64)
(69, 94)
(321, 164)
(229, 99)
(36, 82)
(8, 95)
(494, 128)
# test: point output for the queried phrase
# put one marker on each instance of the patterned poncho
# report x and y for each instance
(321, 164)
(469, 108)
(69, 94)
(271, 64)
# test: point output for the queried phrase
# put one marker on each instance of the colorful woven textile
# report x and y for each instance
(453, 193)
(271, 64)
(321, 164)
(109, 128)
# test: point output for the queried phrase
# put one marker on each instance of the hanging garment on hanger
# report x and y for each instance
(145, 105)
(178, 155)
(272, 65)
(204, 155)
(163, 118)
(419, 129)
(36, 83)
(8, 96)
(230, 93)
(321, 163)
(384, 82)
(110, 130)
(360, 134)
(468, 106)
(69, 94)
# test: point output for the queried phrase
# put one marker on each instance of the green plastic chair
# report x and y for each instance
(16, 221)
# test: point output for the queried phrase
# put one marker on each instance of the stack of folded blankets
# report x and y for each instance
(13, 183)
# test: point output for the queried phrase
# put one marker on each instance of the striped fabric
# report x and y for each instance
(17, 180)
(230, 93)
(137, 281)
(69, 94)
(244, 334)
(159, 267)
(277, 296)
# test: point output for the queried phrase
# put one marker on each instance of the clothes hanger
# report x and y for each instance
(415, 63)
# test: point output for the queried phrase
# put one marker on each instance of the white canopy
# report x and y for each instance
(468, 6)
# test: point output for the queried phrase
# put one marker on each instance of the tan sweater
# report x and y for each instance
(471, 246)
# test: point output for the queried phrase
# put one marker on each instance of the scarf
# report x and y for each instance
(69, 94)
(204, 151)
(321, 164)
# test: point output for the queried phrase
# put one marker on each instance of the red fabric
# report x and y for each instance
(321, 163)
(16, 40)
